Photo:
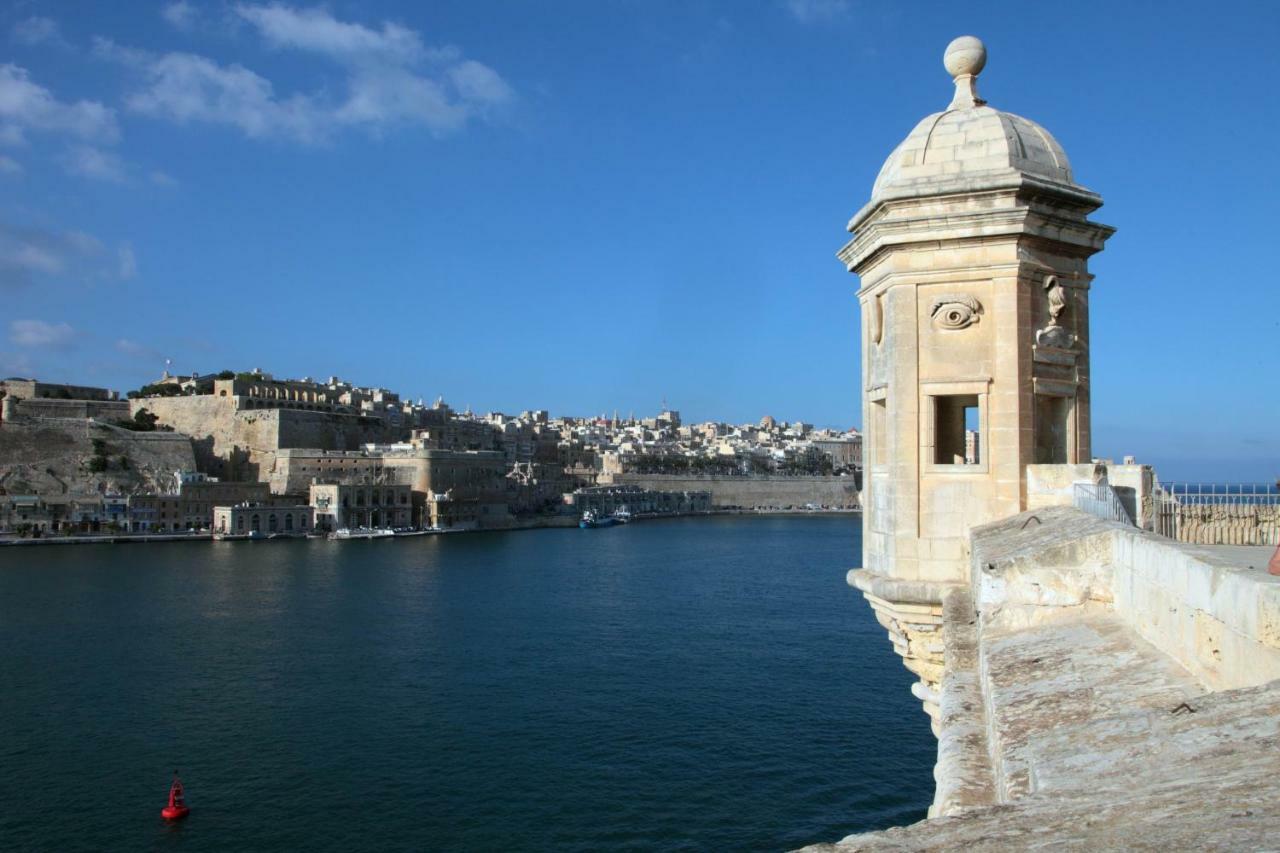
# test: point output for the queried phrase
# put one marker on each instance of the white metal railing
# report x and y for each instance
(1217, 513)
(1100, 499)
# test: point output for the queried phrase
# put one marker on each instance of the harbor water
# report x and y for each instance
(684, 684)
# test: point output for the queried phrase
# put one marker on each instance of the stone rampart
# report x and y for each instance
(1099, 681)
(760, 492)
(242, 444)
(41, 407)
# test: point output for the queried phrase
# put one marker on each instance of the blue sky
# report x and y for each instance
(589, 206)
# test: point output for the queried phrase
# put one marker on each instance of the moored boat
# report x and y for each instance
(591, 520)
(362, 533)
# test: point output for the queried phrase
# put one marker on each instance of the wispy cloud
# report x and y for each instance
(392, 79)
(90, 162)
(817, 11)
(163, 179)
(26, 106)
(31, 253)
(127, 263)
(10, 166)
(180, 15)
(38, 333)
(38, 31)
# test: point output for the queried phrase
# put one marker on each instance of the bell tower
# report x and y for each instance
(973, 259)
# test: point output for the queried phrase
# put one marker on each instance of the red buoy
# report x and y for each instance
(177, 808)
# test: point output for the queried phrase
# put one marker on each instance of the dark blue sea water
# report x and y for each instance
(685, 684)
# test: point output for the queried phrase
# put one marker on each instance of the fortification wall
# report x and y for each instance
(52, 457)
(222, 442)
(764, 492)
(241, 444)
(40, 407)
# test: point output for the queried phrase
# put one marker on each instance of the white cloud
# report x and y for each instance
(318, 31)
(479, 83)
(391, 79)
(815, 11)
(163, 179)
(10, 166)
(127, 264)
(180, 15)
(90, 162)
(24, 106)
(186, 88)
(30, 253)
(36, 31)
(38, 333)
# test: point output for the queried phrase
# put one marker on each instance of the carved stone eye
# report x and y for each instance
(955, 311)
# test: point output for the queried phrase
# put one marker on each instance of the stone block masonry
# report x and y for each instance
(239, 444)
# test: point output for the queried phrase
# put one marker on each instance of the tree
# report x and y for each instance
(226, 374)
(145, 420)
(98, 464)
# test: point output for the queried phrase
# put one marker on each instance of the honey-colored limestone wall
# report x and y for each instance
(242, 444)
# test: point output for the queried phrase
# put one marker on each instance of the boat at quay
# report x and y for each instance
(362, 533)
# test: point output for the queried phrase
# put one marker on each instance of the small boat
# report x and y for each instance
(622, 514)
(177, 808)
(362, 533)
(591, 520)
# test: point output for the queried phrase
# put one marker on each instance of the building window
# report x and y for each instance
(957, 430)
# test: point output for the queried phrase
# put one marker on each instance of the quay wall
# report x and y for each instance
(760, 492)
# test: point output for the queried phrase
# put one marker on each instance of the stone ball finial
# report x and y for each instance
(965, 55)
(964, 58)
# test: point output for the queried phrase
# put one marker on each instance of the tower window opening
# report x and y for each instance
(957, 430)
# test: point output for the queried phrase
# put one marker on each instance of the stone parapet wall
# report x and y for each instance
(762, 492)
(40, 407)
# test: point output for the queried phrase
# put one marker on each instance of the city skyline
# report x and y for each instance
(499, 215)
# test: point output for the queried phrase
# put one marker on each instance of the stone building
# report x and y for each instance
(453, 488)
(190, 506)
(345, 505)
(262, 391)
(265, 519)
(296, 468)
(31, 389)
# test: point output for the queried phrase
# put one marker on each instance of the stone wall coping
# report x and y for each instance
(897, 590)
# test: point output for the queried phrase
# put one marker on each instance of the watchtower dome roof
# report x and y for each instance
(969, 144)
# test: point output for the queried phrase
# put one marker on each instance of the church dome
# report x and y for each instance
(969, 145)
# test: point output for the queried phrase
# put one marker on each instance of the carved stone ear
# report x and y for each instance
(876, 318)
(955, 311)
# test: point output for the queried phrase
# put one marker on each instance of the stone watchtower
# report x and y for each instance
(973, 257)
